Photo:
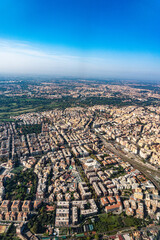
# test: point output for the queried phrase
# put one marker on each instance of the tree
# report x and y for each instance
(96, 236)
(88, 238)
(35, 227)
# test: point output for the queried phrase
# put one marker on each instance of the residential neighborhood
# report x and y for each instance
(76, 176)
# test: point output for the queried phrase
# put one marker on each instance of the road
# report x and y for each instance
(148, 172)
(132, 229)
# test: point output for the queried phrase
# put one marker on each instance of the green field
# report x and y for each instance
(110, 222)
(13, 106)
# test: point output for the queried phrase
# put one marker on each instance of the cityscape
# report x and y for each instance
(82, 171)
(79, 120)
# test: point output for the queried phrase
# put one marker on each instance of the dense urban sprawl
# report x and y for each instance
(74, 172)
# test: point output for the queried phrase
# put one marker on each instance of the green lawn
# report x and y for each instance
(110, 222)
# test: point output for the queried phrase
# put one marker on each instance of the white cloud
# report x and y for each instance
(24, 58)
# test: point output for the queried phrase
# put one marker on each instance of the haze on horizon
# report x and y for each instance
(86, 38)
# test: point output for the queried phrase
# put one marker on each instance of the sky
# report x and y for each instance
(86, 38)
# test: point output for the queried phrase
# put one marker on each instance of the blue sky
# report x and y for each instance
(81, 37)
